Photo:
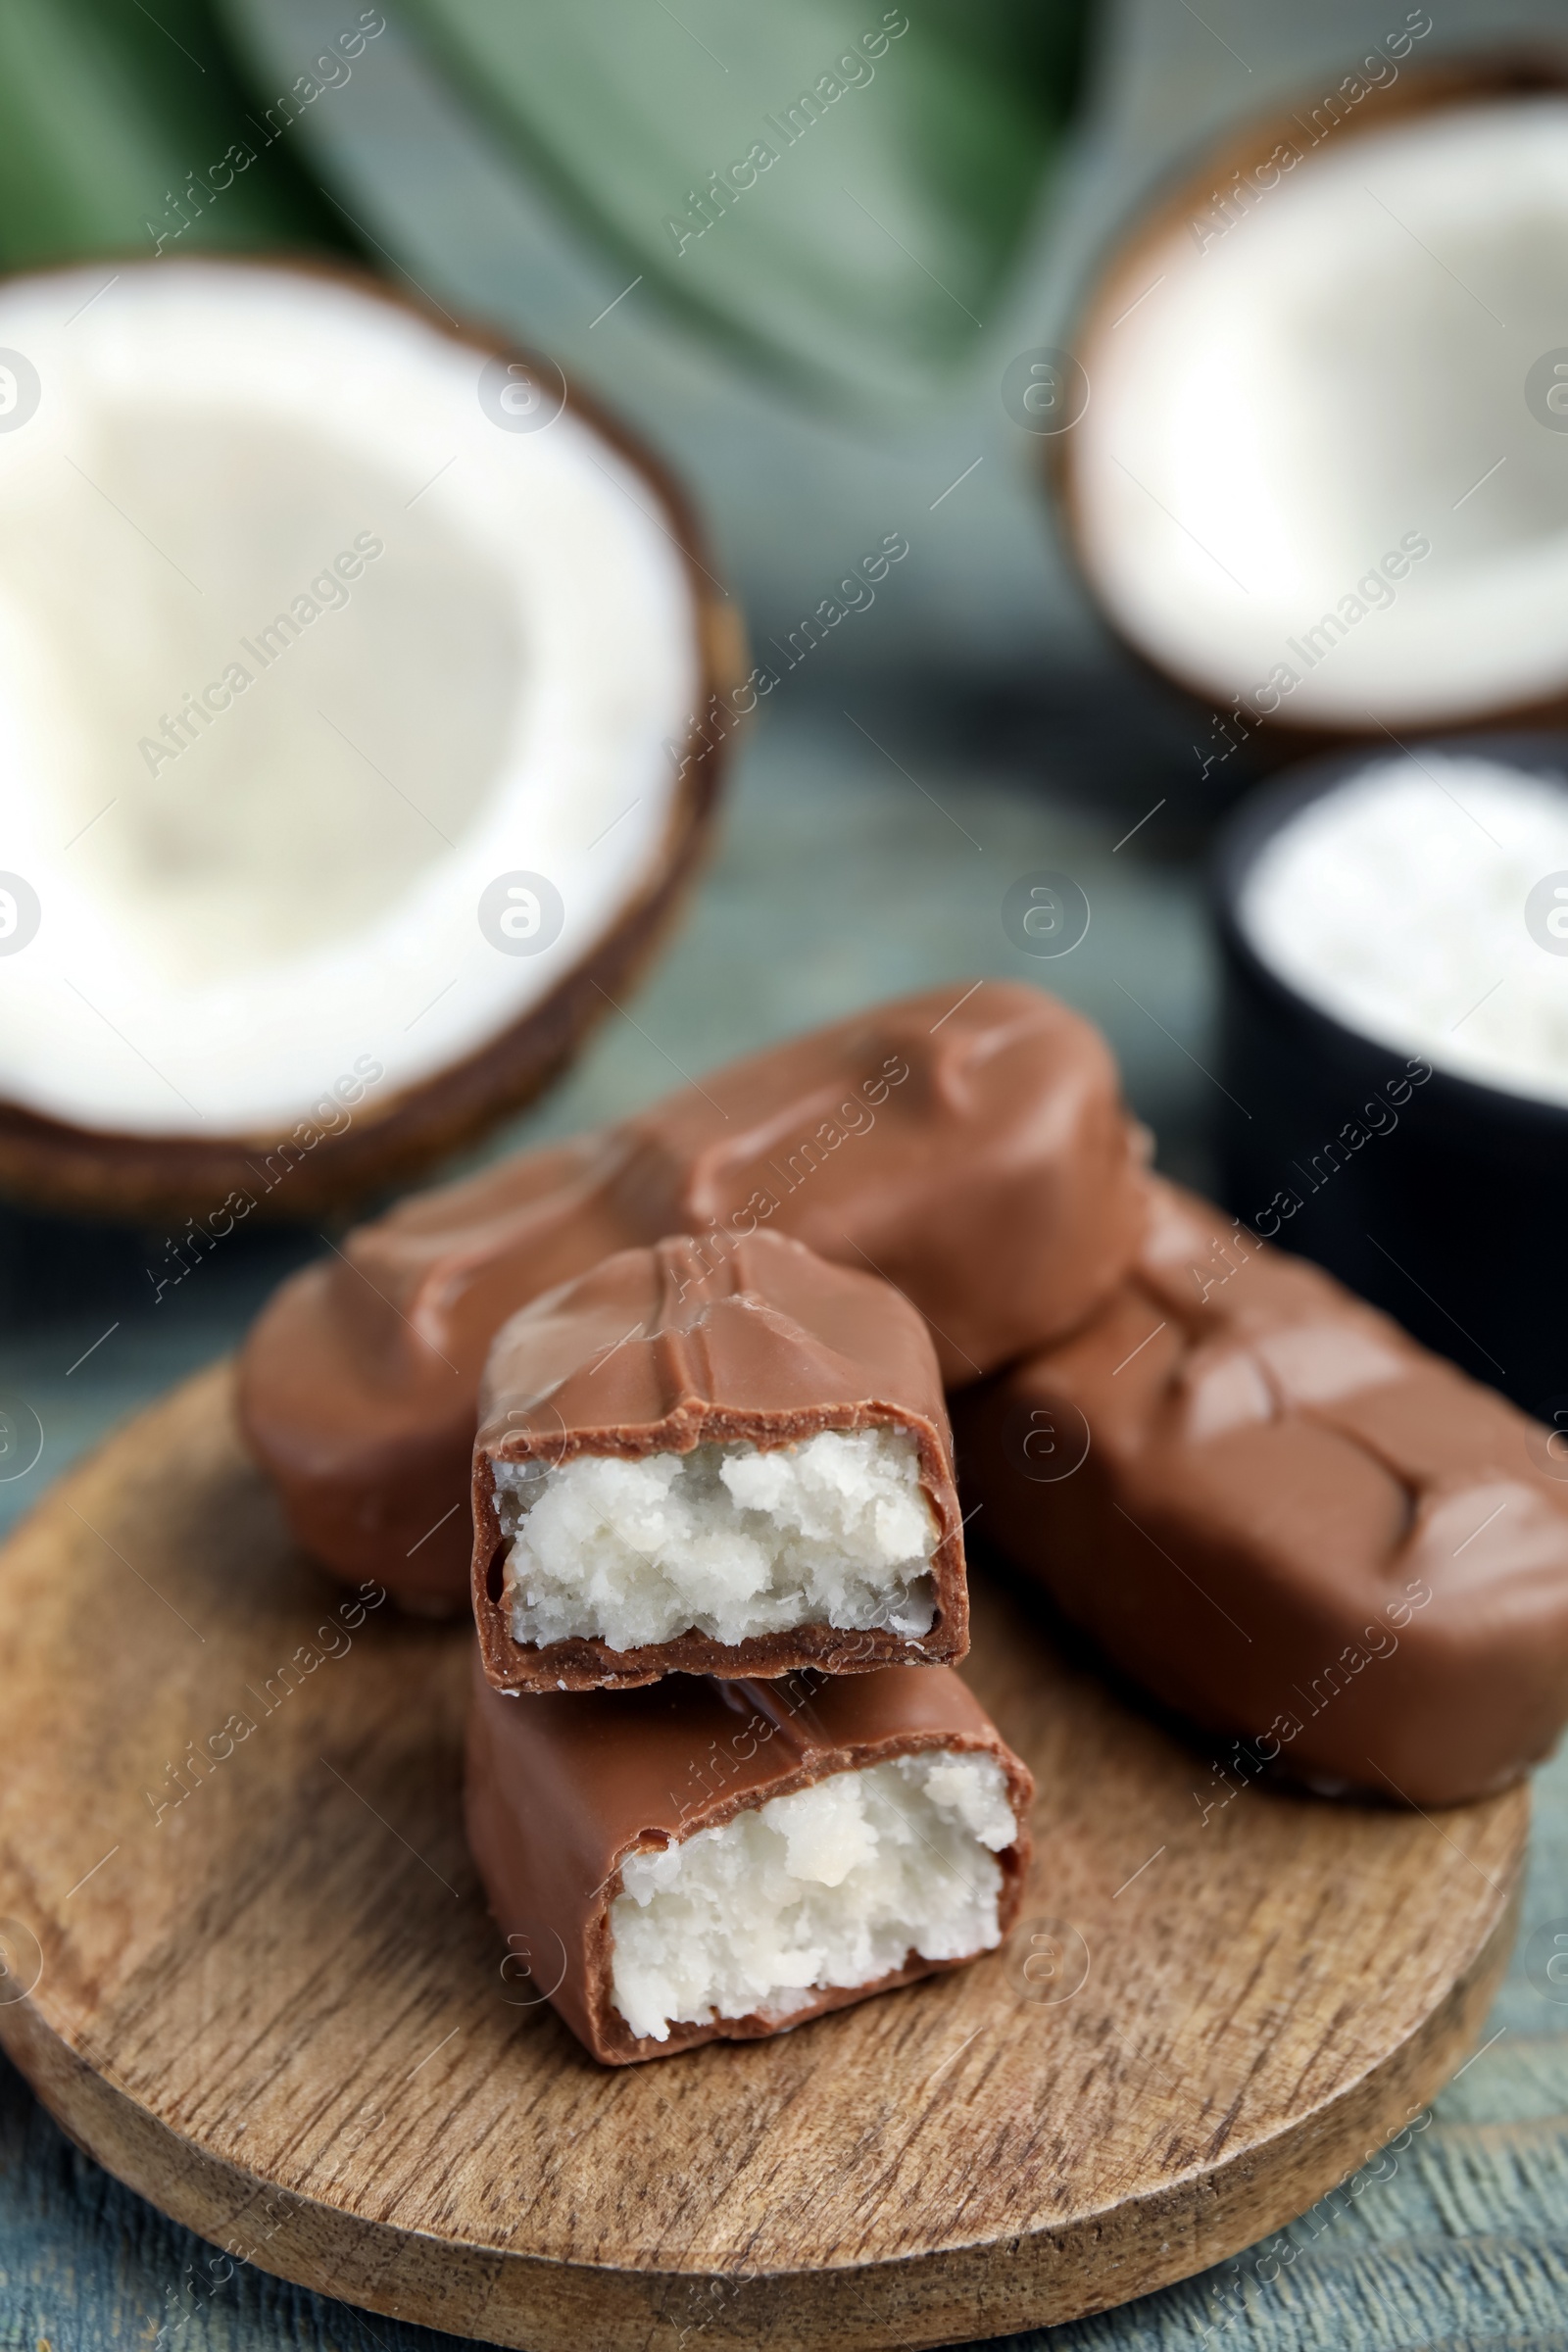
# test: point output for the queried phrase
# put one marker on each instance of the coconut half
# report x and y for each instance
(352, 678)
(1322, 475)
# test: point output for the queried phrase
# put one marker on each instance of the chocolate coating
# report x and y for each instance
(972, 1150)
(1293, 1524)
(658, 1351)
(560, 1790)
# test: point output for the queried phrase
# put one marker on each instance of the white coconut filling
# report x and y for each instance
(726, 1540)
(300, 653)
(1342, 494)
(832, 1886)
(1397, 904)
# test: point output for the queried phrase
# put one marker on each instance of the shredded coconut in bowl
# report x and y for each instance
(1419, 904)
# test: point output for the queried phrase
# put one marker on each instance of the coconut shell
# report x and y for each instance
(83, 1171)
(1121, 275)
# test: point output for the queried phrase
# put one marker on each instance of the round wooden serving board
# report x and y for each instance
(278, 2009)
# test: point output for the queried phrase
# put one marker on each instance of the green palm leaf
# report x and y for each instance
(113, 125)
(832, 190)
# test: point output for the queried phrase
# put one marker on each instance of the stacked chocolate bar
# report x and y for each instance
(666, 1404)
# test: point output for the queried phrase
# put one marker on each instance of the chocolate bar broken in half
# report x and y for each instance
(707, 1459)
(708, 1860)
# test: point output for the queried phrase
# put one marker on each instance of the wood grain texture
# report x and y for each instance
(278, 2009)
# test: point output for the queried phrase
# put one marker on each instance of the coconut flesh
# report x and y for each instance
(832, 1886)
(492, 644)
(1307, 476)
(732, 1540)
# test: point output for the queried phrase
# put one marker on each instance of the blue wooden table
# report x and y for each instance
(846, 874)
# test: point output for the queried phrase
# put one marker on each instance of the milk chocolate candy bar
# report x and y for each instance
(709, 1462)
(704, 1860)
(1293, 1526)
(969, 1145)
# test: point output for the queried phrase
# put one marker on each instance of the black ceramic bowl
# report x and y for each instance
(1445, 1202)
